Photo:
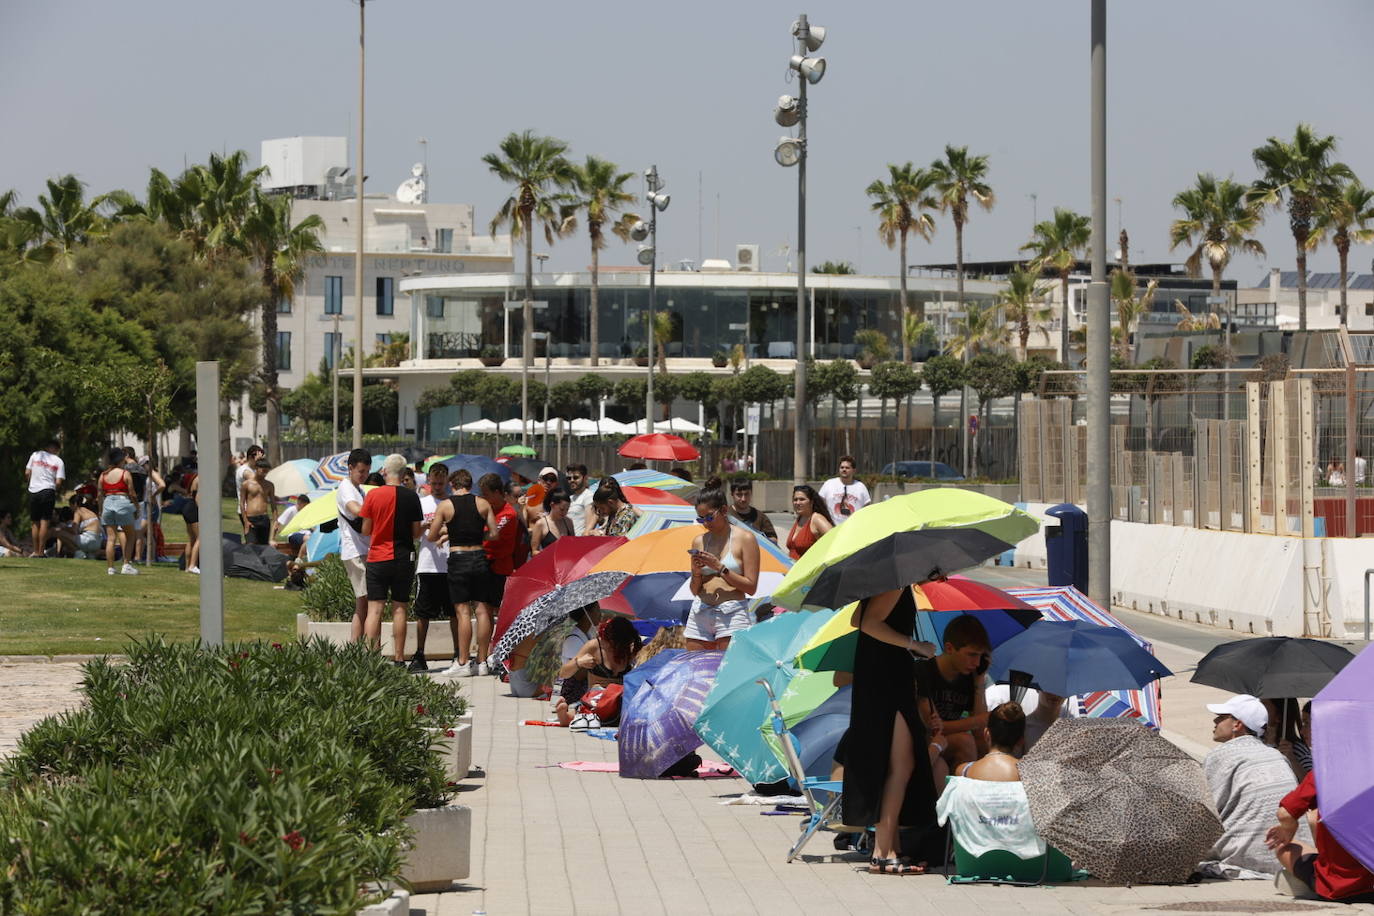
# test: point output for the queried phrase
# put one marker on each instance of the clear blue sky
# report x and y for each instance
(106, 90)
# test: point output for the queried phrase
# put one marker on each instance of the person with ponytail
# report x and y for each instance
(603, 662)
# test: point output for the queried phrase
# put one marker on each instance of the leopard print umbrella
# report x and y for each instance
(1120, 801)
(551, 607)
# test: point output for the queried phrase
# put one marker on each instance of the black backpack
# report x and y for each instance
(140, 479)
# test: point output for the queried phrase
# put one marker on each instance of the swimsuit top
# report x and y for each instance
(93, 522)
(109, 489)
(729, 561)
(467, 526)
(549, 537)
(800, 538)
(600, 670)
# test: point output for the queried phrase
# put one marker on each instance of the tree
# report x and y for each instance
(1191, 322)
(600, 190)
(958, 177)
(874, 347)
(917, 332)
(1346, 217)
(900, 203)
(1022, 302)
(629, 392)
(992, 376)
(537, 170)
(1055, 244)
(894, 380)
(980, 328)
(727, 392)
(941, 374)
(1211, 356)
(833, 267)
(1218, 218)
(762, 385)
(278, 248)
(313, 400)
(1301, 173)
(695, 387)
(63, 220)
(1129, 306)
(594, 389)
(465, 386)
(496, 393)
(565, 399)
(1030, 371)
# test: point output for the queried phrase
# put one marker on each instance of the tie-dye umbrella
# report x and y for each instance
(662, 701)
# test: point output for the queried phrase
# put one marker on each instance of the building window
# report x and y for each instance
(1369, 308)
(333, 349)
(333, 295)
(434, 306)
(283, 351)
(386, 296)
(284, 306)
(383, 340)
(443, 240)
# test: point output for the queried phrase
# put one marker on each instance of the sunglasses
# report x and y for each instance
(705, 519)
(549, 477)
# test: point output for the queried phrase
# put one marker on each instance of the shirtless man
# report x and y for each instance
(725, 572)
(258, 497)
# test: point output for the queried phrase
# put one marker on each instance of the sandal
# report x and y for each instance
(897, 865)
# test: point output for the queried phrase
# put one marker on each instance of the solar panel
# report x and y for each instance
(1362, 281)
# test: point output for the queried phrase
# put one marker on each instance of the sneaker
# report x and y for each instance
(482, 670)
(418, 663)
(460, 669)
(128, 570)
(583, 721)
(194, 569)
(397, 663)
(109, 570)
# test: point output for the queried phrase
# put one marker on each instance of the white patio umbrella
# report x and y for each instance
(476, 426)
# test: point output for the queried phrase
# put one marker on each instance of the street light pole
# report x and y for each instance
(653, 304)
(359, 177)
(1099, 335)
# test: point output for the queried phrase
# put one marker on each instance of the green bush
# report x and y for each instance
(248, 778)
(328, 595)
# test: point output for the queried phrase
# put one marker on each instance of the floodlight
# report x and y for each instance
(788, 152)
(646, 255)
(659, 201)
(815, 35)
(788, 111)
(639, 231)
(651, 179)
(812, 68)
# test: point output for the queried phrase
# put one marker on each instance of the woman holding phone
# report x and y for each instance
(725, 573)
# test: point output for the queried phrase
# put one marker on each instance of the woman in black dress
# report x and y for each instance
(887, 784)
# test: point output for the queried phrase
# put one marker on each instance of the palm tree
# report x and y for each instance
(1346, 217)
(1056, 244)
(538, 170)
(900, 203)
(1189, 322)
(600, 190)
(278, 249)
(958, 177)
(1023, 301)
(1218, 217)
(217, 199)
(980, 328)
(63, 220)
(1302, 172)
(1129, 306)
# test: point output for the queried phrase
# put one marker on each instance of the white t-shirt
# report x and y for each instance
(1360, 467)
(352, 544)
(433, 557)
(287, 514)
(834, 492)
(45, 470)
(242, 474)
(578, 511)
(572, 644)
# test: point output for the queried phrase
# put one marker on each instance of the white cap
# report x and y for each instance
(547, 471)
(1249, 710)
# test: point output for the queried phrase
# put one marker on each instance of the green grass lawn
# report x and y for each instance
(60, 607)
(174, 526)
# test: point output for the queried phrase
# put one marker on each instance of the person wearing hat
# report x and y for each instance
(1247, 779)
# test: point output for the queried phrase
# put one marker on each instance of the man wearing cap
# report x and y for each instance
(1248, 779)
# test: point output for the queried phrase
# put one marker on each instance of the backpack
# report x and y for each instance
(139, 478)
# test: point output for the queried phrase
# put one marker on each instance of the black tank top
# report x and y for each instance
(467, 526)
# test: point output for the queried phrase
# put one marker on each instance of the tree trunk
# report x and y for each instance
(906, 342)
(594, 304)
(527, 335)
(1064, 324)
(1302, 287)
(934, 421)
(269, 362)
(1023, 331)
(1343, 253)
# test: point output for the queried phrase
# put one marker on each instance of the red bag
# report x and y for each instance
(606, 704)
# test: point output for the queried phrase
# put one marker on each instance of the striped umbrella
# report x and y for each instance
(655, 479)
(334, 469)
(658, 518)
(1064, 602)
(650, 496)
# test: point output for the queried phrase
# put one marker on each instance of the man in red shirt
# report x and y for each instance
(1330, 871)
(500, 561)
(391, 518)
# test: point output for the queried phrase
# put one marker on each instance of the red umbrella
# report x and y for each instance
(567, 560)
(649, 496)
(958, 593)
(660, 447)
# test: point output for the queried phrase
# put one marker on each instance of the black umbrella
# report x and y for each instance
(253, 561)
(1272, 666)
(527, 468)
(414, 453)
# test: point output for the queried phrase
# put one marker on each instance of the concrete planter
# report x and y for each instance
(397, 904)
(442, 849)
(438, 644)
(456, 751)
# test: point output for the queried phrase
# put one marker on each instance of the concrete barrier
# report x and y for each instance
(438, 642)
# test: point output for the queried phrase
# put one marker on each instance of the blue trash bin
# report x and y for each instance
(1066, 547)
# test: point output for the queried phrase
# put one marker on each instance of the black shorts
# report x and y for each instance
(494, 589)
(390, 579)
(432, 601)
(41, 505)
(467, 576)
(190, 511)
(260, 529)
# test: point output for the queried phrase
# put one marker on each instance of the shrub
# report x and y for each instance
(328, 595)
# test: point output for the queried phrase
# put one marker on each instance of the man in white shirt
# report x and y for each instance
(353, 544)
(45, 473)
(843, 495)
(580, 512)
(298, 539)
(1361, 466)
(432, 601)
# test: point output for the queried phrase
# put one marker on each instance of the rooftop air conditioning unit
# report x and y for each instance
(747, 257)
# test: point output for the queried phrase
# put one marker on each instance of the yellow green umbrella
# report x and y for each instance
(312, 516)
(899, 542)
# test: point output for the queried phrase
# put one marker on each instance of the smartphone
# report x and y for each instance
(692, 551)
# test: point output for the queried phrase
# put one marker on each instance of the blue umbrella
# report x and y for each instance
(819, 734)
(321, 544)
(477, 465)
(1076, 657)
(658, 715)
(729, 722)
(651, 596)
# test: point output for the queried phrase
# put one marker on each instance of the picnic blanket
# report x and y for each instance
(1247, 779)
(709, 769)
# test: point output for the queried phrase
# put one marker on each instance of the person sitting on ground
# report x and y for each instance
(9, 544)
(1335, 473)
(1005, 734)
(950, 683)
(1041, 707)
(83, 537)
(602, 661)
(553, 523)
(1284, 728)
(1330, 871)
(1248, 780)
(616, 515)
(297, 540)
(813, 520)
(742, 508)
(1298, 751)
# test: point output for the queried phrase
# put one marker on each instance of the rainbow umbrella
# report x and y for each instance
(658, 480)
(292, 478)
(331, 471)
(649, 496)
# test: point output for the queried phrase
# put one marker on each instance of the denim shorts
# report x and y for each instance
(118, 511)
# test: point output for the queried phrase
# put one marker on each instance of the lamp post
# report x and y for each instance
(792, 151)
(359, 178)
(648, 256)
(1099, 333)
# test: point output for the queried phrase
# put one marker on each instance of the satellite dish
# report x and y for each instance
(411, 191)
(418, 170)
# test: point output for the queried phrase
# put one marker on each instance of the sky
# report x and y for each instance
(107, 90)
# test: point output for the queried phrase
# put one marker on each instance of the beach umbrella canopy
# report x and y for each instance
(660, 517)
(329, 472)
(1120, 801)
(666, 551)
(549, 587)
(1272, 666)
(649, 496)
(436, 459)
(1064, 602)
(522, 451)
(902, 541)
(816, 713)
(729, 722)
(1076, 657)
(292, 478)
(660, 447)
(658, 480)
(321, 510)
(1342, 746)
(657, 717)
(527, 468)
(482, 426)
(321, 544)
(477, 465)
(252, 561)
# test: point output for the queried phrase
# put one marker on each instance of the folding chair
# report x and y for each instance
(822, 795)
